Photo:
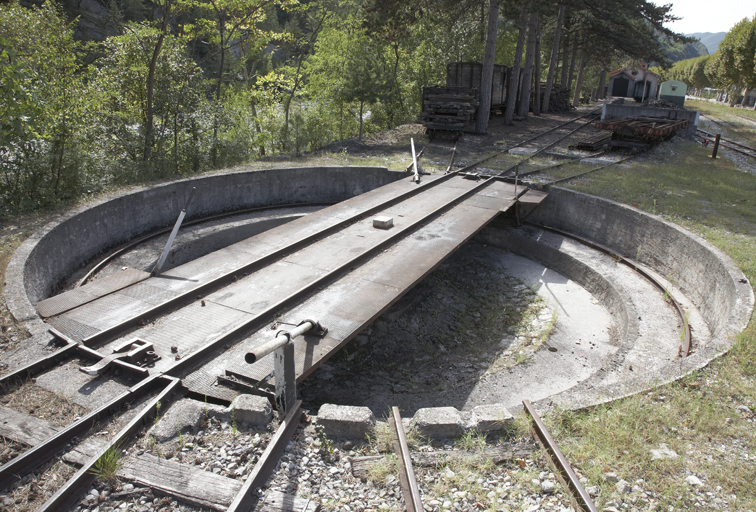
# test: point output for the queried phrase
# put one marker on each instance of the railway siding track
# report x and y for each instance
(729, 144)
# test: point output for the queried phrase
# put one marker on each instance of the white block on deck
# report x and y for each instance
(383, 222)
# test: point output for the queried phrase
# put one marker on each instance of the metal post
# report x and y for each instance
(283, 361)
(172, 237)
(286, 383)
(416, 177)
(716, 146)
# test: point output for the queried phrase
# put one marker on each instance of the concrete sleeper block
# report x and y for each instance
(345, 421)
(438, 422)
(252, 409)
(490, 418)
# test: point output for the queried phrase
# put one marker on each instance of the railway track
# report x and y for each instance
(580, 498)
(729, 144)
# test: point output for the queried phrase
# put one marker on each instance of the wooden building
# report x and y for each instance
(629, 82)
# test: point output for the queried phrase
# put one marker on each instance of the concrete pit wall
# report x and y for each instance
(66, 245)
(704, 274)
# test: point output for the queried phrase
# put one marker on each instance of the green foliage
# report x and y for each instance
(107, 466)
(183, 113)
(44, 110)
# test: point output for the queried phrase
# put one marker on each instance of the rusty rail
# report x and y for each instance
(730, 144)
(473, 166)
(72, 490)
(410, 489)
(580, 498)
(685, 346)
(37, 455)
(245, 498)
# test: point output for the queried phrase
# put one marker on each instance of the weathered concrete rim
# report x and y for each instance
(78, 236)
(706, 275)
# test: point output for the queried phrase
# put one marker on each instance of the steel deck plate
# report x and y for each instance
(89, 292)
(352, 302)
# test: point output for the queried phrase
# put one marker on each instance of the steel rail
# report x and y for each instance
(35, 368)
(726, 124)
(22, 464)
(111, 332)
(538, 152)
(129, 245)
(751, 119)
(531, 139)
(66, 496)
(246, 498)
(730, 144)
(567, 161)
(36, 456)
(579, 496)
(412, 500)
(685, 344)
(257, 320)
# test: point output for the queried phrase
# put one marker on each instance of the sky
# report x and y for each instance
(708, 16)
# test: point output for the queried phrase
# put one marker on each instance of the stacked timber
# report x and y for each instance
(559, 101)
(449, 108)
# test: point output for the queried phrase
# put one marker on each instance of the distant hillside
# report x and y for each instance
(678, 52)
(710, 39)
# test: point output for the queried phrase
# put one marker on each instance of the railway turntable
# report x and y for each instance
(342, 266)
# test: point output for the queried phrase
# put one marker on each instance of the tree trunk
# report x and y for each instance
(571, 73)
(602, 84)
(565, 56)
(579, 81)
(537, 71)
(745, 98)
(362, 103)
(149, 129)
(554, 58)
(515, 76)
(527, 72)
(486, 80)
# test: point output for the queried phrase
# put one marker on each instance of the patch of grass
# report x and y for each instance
(380, 471)
(107, 466)
(472, 441)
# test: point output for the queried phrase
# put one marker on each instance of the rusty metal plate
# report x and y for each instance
(89, 292)
(462, 183)
(77, 331)
(488, 202)
(500, 189)
(145, 292)
(355, 300)
(186, 329)
(258, 291)
(533, 197)
(107, 311)
(64, 302)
